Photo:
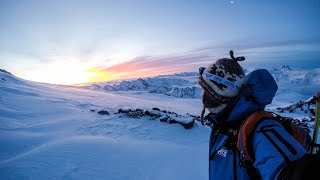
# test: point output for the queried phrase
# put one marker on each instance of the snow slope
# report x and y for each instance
(50, 132)
(54, 132)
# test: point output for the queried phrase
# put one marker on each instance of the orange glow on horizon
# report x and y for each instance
(100, 75)
(123, 72)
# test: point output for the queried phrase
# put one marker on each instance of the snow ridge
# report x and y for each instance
(307, 107)
(4, 71)
(170, 86)
(184, 85)
(285, 74)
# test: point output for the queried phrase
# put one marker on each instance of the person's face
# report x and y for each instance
(213, 104)
(209, 101)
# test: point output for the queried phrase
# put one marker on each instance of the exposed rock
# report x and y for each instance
(307, 107)
(103, 112)
(186, 121)
(156, 109)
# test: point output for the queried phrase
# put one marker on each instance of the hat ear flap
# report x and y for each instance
(240, 58)
(231, 55)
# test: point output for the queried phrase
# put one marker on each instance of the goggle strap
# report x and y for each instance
(221, 80)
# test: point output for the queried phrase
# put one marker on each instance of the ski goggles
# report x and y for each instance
(218, 79)
(219, 99)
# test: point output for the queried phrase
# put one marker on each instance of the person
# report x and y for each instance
(231, 97)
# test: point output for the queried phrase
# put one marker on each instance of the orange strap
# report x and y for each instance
(247, 128)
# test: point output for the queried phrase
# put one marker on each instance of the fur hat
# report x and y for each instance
(221, 82)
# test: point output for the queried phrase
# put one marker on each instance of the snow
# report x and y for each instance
(303, 83)
(182, 85)
(54, 132)
(49, 132)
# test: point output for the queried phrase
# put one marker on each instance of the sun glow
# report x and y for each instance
(67, 73)
(54, 76)
(98, 75)
(68, 76)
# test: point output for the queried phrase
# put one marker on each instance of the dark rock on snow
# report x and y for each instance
(103, 112)
(307, 107)
(186, 121)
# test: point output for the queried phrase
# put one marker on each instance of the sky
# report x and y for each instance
(79, 41)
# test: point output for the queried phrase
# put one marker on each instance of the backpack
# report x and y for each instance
(231, 146)
(244, 137)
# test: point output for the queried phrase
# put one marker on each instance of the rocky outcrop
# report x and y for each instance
(307, 107)
(187, 121)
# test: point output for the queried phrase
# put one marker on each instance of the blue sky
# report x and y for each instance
(49, 41)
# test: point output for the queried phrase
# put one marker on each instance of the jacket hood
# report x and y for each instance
(258, 91)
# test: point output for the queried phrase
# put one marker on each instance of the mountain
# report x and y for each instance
(185, 85)
(285, 74)
(174, 85)
(307, 107)
(146, 128)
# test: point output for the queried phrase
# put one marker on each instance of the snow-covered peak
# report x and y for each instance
(185, 85)
(285, 74)
(181, 74)
(283, 68)
(307, 107)
(176, 86)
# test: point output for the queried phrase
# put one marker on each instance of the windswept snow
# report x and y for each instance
(50, 132)
(55, 132)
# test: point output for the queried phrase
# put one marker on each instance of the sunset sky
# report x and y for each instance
(78, 41)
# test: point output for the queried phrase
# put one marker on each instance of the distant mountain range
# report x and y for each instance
(285, 74)
(184, 85)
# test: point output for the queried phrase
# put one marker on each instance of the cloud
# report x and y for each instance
(151, 66)
(144, 66)
(255, 44)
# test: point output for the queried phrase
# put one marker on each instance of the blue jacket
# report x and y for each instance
(273, 147)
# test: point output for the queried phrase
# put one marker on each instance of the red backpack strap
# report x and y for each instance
(246, 129)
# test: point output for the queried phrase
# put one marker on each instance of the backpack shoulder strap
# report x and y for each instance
(246, 130)
(250, 124)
